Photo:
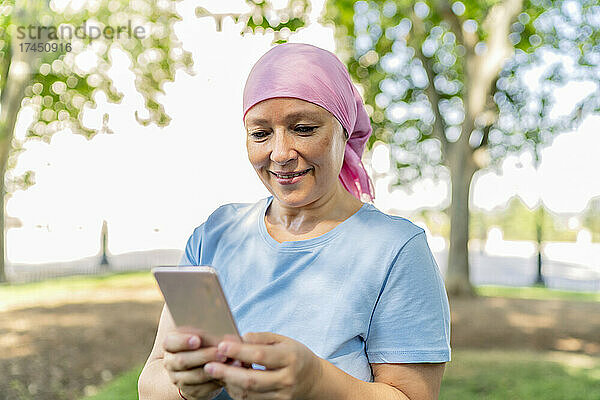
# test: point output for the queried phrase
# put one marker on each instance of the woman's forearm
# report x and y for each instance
(154, 384)
(334, 384)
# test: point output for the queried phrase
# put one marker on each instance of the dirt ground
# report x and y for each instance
(63, 348)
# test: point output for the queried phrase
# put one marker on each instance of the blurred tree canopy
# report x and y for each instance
(518, 222)
(591, 218)
(265, 18)
(454, 86)
(55, 59)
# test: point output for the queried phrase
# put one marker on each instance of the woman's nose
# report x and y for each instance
(283, 149)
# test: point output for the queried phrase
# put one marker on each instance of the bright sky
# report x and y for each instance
(153, 185)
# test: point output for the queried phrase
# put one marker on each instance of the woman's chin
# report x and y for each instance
(292, 198)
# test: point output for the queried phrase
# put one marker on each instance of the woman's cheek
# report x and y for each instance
(254, 155)
(331, 157)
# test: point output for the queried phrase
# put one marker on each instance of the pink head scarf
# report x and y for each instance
(316, 75)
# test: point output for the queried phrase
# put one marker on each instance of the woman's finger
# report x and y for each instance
(176, 342)
(200, 390)
(185, 360)
(196, 376)
(250, 380)
(270, 356)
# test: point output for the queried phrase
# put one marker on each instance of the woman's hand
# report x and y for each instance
(184, 360)
(292, 370)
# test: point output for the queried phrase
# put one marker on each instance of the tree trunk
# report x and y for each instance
(19, 75)
(539, 226)
(104, 265)
(457, 274)
(2, 235)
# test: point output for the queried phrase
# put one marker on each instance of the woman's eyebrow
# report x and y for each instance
(294, 116)
(303, 114)
(257, 121)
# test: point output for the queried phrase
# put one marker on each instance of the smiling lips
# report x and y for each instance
(285, 175)
(287, 178)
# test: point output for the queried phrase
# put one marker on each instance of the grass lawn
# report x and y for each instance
(115, 279)
(504, 375)
(41, 290)
(472, 374)
(536, 292)
(481, 375)
(123, 387)
(44, 292)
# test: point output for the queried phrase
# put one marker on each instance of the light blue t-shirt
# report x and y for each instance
(367, 291)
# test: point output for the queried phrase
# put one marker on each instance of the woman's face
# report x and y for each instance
(296, 148)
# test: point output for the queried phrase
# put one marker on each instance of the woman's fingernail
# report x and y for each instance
(194, 342)
(223, 347)
(209, 368)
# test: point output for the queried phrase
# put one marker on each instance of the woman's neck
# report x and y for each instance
(334, 207)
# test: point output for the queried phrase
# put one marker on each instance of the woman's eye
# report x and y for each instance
(305, 129)
(259, 134)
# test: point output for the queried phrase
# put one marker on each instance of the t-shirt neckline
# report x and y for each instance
(306, 243)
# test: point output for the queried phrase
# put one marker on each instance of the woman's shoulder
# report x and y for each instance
(233, 213)
(384, 225)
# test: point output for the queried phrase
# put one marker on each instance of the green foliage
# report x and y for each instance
(291, 24)
(418, 63)
(519, 222)
(265, 18)
(436, 220)
(591, 218)
(59, 89)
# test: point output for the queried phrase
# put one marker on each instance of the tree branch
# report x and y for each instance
(439, 127)
(484, 68)
(445, 9)
(485, 137)
(4, 72)
(489, 116)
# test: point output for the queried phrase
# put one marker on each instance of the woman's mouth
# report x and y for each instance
(288, 178)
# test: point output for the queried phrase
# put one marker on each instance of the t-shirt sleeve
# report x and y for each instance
(191, 254)
(411, 319)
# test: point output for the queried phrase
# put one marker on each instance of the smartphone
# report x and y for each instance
(195, 299)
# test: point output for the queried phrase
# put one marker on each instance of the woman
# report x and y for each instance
(352, 298)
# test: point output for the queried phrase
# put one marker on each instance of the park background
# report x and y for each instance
(150, 186)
